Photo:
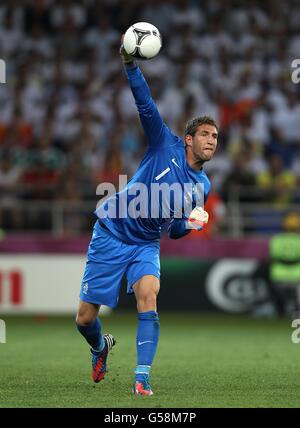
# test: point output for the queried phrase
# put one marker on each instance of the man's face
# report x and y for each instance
(204, 142)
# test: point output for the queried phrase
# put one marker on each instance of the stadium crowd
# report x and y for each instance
(68, 121)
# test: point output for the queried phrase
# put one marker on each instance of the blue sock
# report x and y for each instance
(141, 372)
(146, 341)
(92, 334)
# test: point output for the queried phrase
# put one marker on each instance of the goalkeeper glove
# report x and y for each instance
(197, 219)
(126, 58)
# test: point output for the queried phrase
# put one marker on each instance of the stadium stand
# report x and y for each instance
(68, 121)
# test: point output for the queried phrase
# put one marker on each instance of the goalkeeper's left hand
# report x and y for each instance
(126, 58)
(198, 218)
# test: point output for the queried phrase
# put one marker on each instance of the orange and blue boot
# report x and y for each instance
(99, 366)
(141, 385)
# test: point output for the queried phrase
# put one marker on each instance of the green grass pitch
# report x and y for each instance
(202, 361)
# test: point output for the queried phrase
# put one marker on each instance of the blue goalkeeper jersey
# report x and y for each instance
(137, 213)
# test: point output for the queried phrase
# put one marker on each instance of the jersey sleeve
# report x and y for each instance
(177, 228)
(157, 132)
(206, 192)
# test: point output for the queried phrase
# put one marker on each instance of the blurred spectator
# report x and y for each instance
(284, 267)
(10, 175)
(74, 211)
(112, 165)
(10, 34)
(278, 184)
(286, 119)
(37, 13)
(239, 183)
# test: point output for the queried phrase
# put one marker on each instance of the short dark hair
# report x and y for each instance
(192, 125)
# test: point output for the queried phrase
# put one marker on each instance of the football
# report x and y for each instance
(142, 41)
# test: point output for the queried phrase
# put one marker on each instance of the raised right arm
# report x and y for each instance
(152, 122)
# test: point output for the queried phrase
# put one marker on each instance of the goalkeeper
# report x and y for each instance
(130, 246)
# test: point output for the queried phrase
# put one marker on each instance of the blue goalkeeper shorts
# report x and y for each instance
(109, 259)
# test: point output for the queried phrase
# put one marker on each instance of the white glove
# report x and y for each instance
(198, 218)
(126, 58)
